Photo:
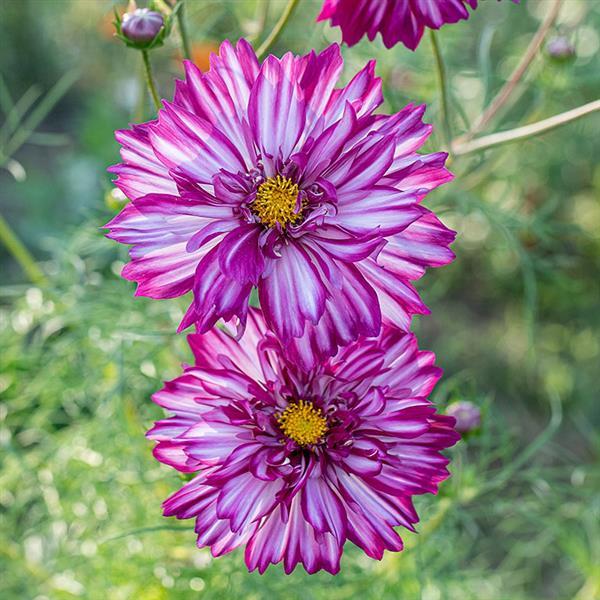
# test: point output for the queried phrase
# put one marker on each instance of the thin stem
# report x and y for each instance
(187, 53)
(150, 80)
(443, 85)
(20, 253)
(276, 31)
(508, 88)
(520, 133)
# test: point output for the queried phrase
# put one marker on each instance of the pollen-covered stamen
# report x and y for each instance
(277, 202)
(303, 423)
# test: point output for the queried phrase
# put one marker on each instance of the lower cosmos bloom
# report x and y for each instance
(269, 176)
(397, 20)
(292, 463)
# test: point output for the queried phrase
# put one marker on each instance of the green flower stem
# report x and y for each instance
(443, 85)
(527, 131)
(187, 53)
(20, 253)
(150, 80)
(276, 31)
(262, 13)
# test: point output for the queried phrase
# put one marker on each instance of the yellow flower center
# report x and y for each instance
(303, 423)
(276, 200)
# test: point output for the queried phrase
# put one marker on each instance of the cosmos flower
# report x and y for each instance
(397, 20)
(291, 463)
(269, 176)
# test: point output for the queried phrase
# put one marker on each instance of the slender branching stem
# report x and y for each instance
(507, 90)
(150, 80)
(443, 86)
(527, 131)
(279, 27)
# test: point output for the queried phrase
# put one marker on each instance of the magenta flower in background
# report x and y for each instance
(270, 176)
(292, 463)
(397, 20)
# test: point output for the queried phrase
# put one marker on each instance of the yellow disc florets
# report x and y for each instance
(303, 423)
(277, 202)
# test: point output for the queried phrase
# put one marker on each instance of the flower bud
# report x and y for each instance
(115, 199)
(560, 48)
(142, 25)
(467, 415)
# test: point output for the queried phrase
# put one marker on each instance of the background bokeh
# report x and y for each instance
(515, 320)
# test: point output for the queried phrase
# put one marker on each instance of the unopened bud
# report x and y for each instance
(467, 415)
(115, 199)
(560, 48)
(142, 25)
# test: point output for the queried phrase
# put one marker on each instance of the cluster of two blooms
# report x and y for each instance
(310, 425)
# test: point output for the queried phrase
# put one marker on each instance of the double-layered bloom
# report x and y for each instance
(270, 176)
(397, 20)
(292, 463)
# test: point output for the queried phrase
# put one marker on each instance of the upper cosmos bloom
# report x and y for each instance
(269, 176)
(294, 463)
(397, 20)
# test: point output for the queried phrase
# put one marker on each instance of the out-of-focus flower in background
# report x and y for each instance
(467, 415)
(200, 55)
(560, 49)
(396, 20)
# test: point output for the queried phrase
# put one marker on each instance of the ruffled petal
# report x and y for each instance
(159, 228)
(217, 348)
(277, 110)
(216, 296)
(350, 312)
(240, 256)
(292, 292)
(294, 541)
(221, 95)
(141, 172)
(193, 147)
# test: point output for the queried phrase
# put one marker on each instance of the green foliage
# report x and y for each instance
(514, 323)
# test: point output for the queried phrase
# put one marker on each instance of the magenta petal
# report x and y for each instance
(322, 508)
(216, 295)
(158, 228)
(277, 109)
(141, 172)
(193, 146)
(342, 246)
(240, 256)
(292, 292)
(385, 210)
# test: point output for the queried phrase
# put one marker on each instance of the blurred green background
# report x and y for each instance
(515, 320)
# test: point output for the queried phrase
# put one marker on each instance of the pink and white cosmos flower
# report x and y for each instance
(270, 176)
(397, 20)
(292, 463)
